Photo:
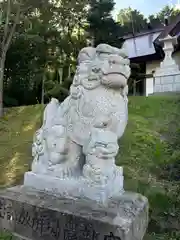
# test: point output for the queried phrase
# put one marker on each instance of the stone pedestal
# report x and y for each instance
(77, 187)
(34, 215)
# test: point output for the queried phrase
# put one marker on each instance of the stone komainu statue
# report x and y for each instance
(79, 137)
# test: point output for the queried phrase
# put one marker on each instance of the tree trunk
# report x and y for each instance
(2, 61)
(60, 72)
(134, 88)
(42, 93)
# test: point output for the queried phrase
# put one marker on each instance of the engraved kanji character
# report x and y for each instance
(70, 235)
(70, 224)
(2, 208)
(38, 223)
(85, 231)
(70, 232)
(9, 210)
(95, 235)
(9, 215)
(111, 237)
(22, 217)
(56, 229)
(45, 224)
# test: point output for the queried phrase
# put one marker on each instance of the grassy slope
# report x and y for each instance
(16, 132)
(150, 142)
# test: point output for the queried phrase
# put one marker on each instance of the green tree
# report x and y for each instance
(28, 48)
(132, 21)
(155, 21)
(102, 28)
(45, 44)
(7, 29)
(168, 12)
(69, 20)
(15, 15)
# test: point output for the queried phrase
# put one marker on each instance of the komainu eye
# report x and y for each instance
(96, 70)
(111, 62)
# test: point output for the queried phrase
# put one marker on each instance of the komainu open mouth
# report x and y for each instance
(115, 74)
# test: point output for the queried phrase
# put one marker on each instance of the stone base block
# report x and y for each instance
(76, 187)
(167, 70)
(35, 215)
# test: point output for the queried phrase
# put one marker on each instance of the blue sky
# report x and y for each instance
(147, 7)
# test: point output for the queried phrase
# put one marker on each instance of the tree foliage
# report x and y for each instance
(46, 42)
(40, 41)
(132, 21)
(168, 12)
(102, 27)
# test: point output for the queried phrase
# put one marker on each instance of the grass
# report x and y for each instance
(16, 131)
(149, 152)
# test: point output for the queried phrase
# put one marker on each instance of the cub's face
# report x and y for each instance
(56, 144)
